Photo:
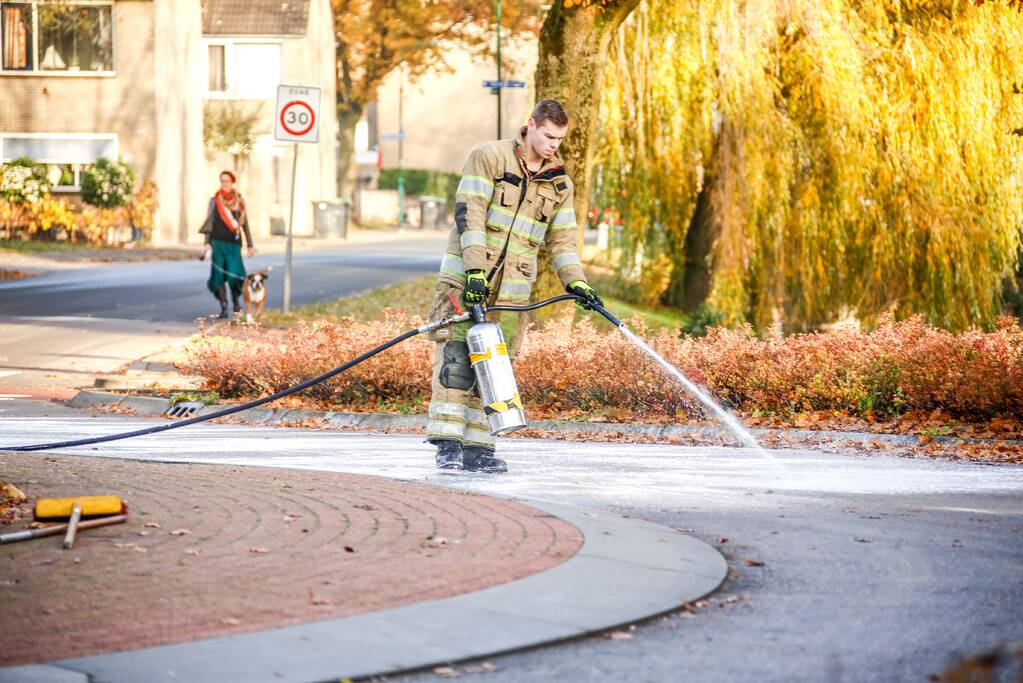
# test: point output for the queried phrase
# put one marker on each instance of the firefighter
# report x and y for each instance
(514, 197)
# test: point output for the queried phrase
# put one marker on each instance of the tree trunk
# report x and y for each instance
(697, 274)
(348, 116)
(573, 49)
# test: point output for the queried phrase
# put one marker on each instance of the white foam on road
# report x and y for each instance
(547, 469)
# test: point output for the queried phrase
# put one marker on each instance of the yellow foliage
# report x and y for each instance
(858, 154)
(49, 212)
(90, 223)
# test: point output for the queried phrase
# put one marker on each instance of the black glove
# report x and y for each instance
(477, 291)
(590, 297)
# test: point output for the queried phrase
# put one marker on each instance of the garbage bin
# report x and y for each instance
(278, 226)
(330, 218)
(431, 212)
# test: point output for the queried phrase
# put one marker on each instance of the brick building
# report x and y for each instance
(131, 79)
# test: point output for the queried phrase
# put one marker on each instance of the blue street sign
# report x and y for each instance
(504, 84)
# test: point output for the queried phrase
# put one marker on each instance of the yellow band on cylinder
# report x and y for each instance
(501, 349)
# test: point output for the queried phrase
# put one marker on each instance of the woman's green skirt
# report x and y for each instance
(226, 266)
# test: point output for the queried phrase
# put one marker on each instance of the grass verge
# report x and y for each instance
(416, 295)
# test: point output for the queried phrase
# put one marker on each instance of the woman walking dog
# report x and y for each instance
(225, 221)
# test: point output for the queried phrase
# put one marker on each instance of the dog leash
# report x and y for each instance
(227, 273)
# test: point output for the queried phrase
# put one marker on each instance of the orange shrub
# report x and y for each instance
(895, 368)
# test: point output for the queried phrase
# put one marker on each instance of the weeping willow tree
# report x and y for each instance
(791, 161)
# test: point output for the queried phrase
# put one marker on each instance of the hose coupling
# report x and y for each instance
(444, 322)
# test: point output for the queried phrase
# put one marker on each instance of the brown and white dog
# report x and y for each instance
(254, 292)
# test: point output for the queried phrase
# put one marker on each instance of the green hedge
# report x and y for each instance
(420, 181)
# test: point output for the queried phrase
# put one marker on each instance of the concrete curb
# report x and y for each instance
(626, 571)
(272, 416)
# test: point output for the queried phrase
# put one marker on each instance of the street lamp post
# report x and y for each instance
(401, 145)
(499, 75)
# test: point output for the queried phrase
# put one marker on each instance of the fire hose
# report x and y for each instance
(477, 314)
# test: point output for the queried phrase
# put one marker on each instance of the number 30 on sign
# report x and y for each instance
(298, 114)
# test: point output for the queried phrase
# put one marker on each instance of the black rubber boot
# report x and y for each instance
(222, 298)
(481, 459)
(449, 454)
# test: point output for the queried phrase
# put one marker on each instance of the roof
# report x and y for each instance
(255, 17)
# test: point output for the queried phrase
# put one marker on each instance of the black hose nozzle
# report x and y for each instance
(612, 318)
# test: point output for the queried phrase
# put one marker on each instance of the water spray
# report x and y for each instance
(491, 364)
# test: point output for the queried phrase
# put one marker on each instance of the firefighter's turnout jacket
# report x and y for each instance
(503, 215)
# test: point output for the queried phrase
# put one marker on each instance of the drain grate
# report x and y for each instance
(185, 409)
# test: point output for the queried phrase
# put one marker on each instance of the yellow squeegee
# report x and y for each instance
(60, 508)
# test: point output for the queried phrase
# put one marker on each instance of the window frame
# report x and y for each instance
(35, 71)
(228, 42)
(53, 161)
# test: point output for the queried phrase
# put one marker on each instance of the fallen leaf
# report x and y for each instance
(258, 551)
(722, 540)
(136, 548)
(754, 563)
(180, 532)
(314, 600)
(152, 525)
(193, 551)
(349, 549)
(446, 671)
(13, 492)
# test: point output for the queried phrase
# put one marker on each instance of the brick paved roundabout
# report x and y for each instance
(213, 550)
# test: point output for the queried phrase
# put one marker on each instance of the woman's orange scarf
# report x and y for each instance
(227, 202)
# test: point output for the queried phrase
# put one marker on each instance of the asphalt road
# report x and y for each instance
(842, 568)
(175, 291)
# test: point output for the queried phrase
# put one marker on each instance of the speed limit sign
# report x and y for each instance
(298, 114)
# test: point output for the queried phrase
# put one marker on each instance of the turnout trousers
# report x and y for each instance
(456, 411)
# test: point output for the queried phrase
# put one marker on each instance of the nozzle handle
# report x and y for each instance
(479, 314)
(612, 318)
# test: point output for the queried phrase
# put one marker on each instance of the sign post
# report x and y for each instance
(297, 120)
(496, 87)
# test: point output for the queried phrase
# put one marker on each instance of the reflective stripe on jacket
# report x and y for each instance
(503, 216)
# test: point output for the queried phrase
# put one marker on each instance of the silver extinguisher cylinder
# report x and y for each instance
(492, 365)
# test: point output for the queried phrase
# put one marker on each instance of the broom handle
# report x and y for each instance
(59, 528)
(72, 525)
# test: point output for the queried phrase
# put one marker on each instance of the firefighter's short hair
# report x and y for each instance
(549, 110)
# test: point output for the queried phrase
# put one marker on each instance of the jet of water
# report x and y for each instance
(730, 421)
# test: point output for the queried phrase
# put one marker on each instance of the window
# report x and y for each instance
(65, 37)
(16, 22)
(255, 70)
(218, 75)
(244, 71)
(64, 153)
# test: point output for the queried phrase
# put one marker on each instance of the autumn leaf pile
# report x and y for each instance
(898, 368)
